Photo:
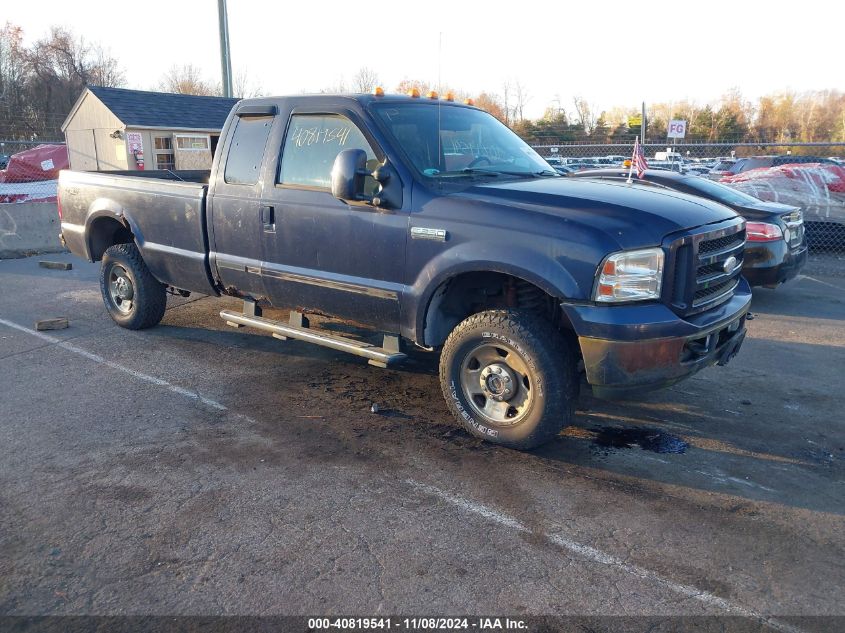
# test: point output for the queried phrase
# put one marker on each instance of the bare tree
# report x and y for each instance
(339, 87)
(506, 91)
(14, 117)
(406, 85)
(12, 63)
(244, 88)
(584, 113)
(521, 98)
(491, 103)
(105, 70)
(56, 69)
(187, 79)
(66, 57)
(365, 80)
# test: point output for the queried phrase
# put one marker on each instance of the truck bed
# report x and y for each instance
(181, 175)
(164, 210)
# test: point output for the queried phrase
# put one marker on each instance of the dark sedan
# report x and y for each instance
(764, 162)
(775, 250)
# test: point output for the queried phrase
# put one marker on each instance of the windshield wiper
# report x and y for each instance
(495, 173)
(471, 171)
(530, 174)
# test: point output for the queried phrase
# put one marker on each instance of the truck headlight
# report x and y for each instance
(630, 276)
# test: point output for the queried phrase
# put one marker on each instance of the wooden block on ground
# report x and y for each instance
(59, 323)
(56, 265)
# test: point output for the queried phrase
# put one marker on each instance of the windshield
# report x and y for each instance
(722, 193)
(442, 141)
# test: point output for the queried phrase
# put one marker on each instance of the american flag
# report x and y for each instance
(639, 161)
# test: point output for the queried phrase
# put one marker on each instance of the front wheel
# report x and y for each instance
(134, 298)
(509, 377)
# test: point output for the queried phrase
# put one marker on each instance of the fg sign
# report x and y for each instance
(677, 129)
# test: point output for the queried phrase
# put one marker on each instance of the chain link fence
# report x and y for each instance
(808, 175)
(15, 189)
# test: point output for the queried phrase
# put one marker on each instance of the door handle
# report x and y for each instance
(268, 216)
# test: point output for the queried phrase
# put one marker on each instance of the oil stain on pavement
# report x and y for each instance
(608, 438)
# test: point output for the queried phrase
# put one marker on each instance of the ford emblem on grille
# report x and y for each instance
(730, 264)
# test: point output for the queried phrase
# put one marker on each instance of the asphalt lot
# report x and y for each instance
(197, 469)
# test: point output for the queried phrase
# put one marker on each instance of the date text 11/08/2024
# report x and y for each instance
(418, 624)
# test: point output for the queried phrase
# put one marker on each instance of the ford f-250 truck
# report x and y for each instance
(435, 225)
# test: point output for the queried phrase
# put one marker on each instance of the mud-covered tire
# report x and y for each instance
(123, 272)
(543, 367)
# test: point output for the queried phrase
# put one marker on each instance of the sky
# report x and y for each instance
(609, 52)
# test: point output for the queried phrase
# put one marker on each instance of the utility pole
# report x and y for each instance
(225, 58)
(643, 125)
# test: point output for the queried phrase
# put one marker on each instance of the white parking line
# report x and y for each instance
(467, 505)
(818, 281)
(603, 558)
(113, 365)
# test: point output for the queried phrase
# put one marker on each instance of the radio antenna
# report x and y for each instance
(439, 60)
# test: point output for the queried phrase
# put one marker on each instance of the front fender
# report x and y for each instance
(545, 272)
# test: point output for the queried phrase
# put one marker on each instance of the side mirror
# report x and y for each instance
(348, 173)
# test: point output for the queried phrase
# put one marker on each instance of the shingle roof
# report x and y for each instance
(164, 109)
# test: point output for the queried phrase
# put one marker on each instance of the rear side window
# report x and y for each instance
(753, 163)
(243, 163)
(313, 142)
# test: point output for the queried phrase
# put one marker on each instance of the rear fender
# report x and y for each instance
(105, 208)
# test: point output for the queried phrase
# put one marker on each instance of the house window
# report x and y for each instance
(184, 141)
(164, 152)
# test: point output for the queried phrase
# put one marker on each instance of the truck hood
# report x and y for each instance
(635, 215)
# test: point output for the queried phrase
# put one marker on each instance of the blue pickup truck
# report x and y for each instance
(433, 224)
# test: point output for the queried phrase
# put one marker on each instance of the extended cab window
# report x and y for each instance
(243, 162)
(311, 145)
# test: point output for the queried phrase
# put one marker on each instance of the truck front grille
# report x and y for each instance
(720, 243)
(707, 267)
(706, 294)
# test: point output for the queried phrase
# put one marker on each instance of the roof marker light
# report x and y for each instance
(469, 102)
(378, 91)
(450, 96)
(414, 93)
(432, 94)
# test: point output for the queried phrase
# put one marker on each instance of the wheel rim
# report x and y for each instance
(121, 290)
(497, 383)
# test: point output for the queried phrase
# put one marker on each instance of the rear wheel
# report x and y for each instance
(133, 297)
(509, 377)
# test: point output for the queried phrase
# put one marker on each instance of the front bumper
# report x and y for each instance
(770, 265)
(633, 348)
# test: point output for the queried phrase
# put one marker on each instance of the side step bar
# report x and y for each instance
(298, 329)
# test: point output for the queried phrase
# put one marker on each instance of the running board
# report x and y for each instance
(378, 356)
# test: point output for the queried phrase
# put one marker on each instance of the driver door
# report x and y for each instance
(321, 254)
